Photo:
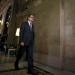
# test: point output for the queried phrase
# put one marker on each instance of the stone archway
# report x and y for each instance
(6, 24)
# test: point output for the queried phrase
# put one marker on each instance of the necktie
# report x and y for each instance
(31, 26)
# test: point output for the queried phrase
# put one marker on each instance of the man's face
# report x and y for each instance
(31, 18)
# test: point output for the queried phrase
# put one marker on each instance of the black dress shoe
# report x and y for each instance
(33, 72)
(17, 68)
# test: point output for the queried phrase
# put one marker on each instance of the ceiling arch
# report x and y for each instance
(3, 4)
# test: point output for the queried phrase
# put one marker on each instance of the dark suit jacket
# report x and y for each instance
(26, 35)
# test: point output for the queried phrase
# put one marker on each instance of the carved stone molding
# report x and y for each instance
(30, 7)
(3, 4)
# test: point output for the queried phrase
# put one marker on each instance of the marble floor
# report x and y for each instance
(54, 70)
(7, 63)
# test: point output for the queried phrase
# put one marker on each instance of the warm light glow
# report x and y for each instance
(0, 21)
(17, 32)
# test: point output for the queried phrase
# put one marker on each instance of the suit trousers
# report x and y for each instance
(30, 55)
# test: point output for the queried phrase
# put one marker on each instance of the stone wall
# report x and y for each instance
(47, 33)
(69, 34)
(12, 27)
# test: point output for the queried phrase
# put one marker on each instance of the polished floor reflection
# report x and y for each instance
(6, 59)
(7, 62)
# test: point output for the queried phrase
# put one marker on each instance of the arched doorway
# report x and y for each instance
(6, 24)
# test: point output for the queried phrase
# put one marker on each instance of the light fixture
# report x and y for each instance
(17, 32)
(0, 21)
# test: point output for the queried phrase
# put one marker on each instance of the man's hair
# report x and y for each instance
(29, 16)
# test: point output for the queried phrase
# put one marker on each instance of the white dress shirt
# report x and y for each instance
(30, 25)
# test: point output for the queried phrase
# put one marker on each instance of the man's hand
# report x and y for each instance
(22, 43)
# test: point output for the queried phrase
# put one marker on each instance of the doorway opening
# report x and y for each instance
(6, 24)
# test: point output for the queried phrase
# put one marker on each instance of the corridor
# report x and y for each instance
(52, 24)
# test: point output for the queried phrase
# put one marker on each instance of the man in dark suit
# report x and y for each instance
(26, 58)
(26, 42)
